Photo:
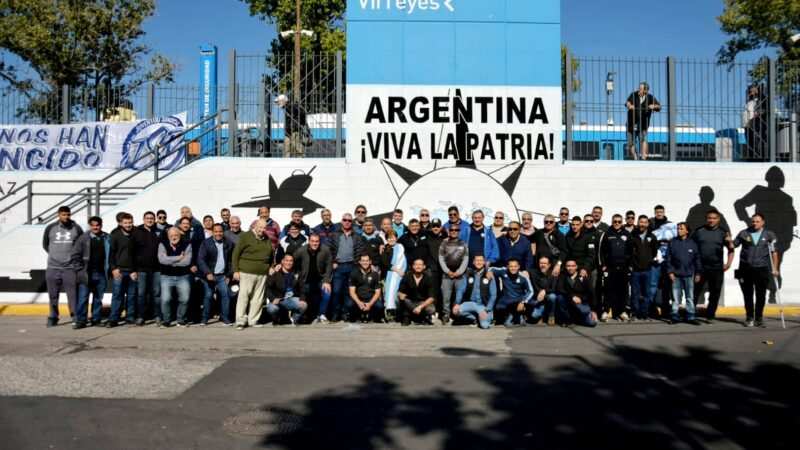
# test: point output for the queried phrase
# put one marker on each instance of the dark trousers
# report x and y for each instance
(148, 295)
(58, 280)
(567, 312)
(340, 288)
(96, 286)
(710, 280)
(754, 280)
(408, 311)
(616, 289)
(123, 295)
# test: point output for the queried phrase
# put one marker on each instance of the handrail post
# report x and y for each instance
(568, 106)
(88, 204)
(156, 163)
(672, 109)
(772, 109)
(29, 199)
(97, 198)
(232, 125)
(339, 106)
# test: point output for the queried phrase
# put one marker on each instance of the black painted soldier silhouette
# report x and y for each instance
(776, 206)
(697, 214)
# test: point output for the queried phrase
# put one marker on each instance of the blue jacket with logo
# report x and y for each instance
(491, 252)
(683, 258)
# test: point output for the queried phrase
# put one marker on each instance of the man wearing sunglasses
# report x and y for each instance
(630, 222)
(582, 245)
(564, 226)
(161, 224)
(515, 246)
(615, 256)
(499, 225)
(480, 239)
(425, 220)
(454, 218)
(360, 217)
(549, 242)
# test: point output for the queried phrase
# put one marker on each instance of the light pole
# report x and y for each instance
(298, 32)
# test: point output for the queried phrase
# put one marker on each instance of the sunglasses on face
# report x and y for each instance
(547, 222)
(499, 218)
(616, 221)
(454, 230)
(162, 217)
(514, 229)
(347, 220)
(563, 214)
(452, 214)
(424, 215)
(588, 221)
(361, 212)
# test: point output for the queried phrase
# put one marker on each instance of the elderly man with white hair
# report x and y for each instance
(295, 122)
(251, 260)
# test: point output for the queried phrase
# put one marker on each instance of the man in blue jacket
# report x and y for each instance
(476, 294)
(683, 266)
(214, 264)
(516, 294)
(515, 246)
(480, 240)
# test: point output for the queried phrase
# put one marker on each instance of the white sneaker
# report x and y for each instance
(291, 319)
(322, 319)
(604, 317)
(624, 317)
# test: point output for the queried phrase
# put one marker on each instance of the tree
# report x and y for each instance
(92, 46)
(326, 19)
(760, 24)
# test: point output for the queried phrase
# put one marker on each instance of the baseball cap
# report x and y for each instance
(436, 223)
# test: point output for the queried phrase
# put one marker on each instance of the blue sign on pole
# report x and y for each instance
(208, 96)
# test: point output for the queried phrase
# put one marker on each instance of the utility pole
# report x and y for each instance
(298, 29)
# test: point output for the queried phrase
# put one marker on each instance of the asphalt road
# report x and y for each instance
(618, 385)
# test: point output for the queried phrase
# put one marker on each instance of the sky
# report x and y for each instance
(591, 28)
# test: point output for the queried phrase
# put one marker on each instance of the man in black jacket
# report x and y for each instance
(574, 303)
(415, 244)
(122, 263)
(712, 241)
(643, 258)
(315, 265)
(285, 292)
(616, 255)
(640, 105)
(417, 295)
(346, 245)
(214, 264)
(364, 297)
(146, 240)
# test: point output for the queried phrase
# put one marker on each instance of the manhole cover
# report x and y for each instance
(260, 422)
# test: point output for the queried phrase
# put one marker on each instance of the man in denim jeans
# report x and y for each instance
(122, 262)
(214, 263)
(645, 250)
(683, 265)
(175, 259)
(91, 253)
(475, 304)
(285, 292)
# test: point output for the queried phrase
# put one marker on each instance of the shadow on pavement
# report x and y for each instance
(645, 399)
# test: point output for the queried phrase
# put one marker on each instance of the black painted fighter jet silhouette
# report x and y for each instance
(290, 194)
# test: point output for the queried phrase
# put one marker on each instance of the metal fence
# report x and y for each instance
(708, 112)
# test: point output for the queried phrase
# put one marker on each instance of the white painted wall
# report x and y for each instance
(211, 184)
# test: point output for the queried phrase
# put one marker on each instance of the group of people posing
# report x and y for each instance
(572, 270)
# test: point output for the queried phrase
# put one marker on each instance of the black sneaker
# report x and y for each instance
(78, 325)
(51, 322)
(749, 323)
(391, 315)
(139, 322)
(111, 324)
(445, 319)
(694, 322)
(760, 324)
(406, 322)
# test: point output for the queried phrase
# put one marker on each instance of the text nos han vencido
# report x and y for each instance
(52, 148)
(472, 128)
(96, 145)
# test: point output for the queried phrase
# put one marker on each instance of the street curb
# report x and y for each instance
(44, 310)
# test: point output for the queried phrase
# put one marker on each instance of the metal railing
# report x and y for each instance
(709, 112)
(95, 193)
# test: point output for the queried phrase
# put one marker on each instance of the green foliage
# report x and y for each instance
(92, 45)
(764, 24)
(324, 17)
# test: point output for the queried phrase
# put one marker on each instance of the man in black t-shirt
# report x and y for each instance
(641, 105)
(711, 241)
(417, 294)
(364, 299)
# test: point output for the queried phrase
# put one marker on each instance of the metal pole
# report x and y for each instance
(88, 204)
(568, 105)
(65, 104)
(29, 200)
(97, 198)
(297, 30)
(772, 99)
(672, 109)
(151, 97)
(263, 104)
(232, 125)
(339, 92)
(793, 139)
(218, 134)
